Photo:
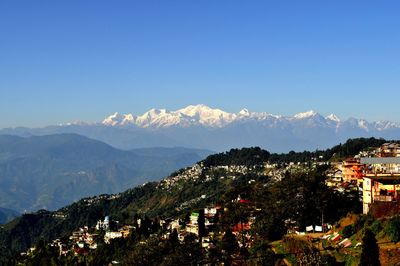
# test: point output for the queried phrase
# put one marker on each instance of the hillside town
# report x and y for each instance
(374, 174)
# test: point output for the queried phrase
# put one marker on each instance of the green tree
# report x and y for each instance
(201, 223)
(262, 254)
(229, 243)
(393, 229)
(370, 250)
(348, 231)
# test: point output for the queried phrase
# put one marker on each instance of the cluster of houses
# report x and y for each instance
(208, 173)
(192, 227)
(375, 173)
(240, 230)
(191, 173)
(82, 241)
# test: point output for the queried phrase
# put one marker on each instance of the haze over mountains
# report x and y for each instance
(54, 170)
(7, 215)
(199, 126)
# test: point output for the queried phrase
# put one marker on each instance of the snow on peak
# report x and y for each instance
(363, 124)
(191, 115)
(333, 118)
(244, 112)
(118, 119)
(200, 109)
(153, 116)
(128, 119)
(203, 115)
(113, 119)
(383, 125)
(207, 116)
(115, 116)
(307, 114)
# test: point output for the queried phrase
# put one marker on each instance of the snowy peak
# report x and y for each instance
(333, 118)
(113, 119)
(117, 119)
(205, 116)
(188, 116)
(305, 115)
(244, 112)
(384, 125)
(194, 110)
(192, 115)
(363, 124)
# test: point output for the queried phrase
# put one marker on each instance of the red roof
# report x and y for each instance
(241, 227)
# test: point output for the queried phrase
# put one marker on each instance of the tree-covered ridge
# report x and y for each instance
(244, 156)
(353, 146)
(257, 156)
(339, 152)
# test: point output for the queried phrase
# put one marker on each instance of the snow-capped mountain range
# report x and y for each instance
(202, 115)
(199, 126)
(189, 116)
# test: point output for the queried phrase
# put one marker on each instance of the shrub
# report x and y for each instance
(392, 229)
(348, 231)
(376, 227)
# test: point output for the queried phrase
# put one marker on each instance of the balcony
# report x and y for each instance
(383, 198)
(386, 198)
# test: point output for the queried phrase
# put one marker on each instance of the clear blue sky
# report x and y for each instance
(62, 61)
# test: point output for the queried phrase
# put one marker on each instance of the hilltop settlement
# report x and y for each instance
(243, 207)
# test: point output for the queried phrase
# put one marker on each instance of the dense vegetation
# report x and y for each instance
(28, 229)
(244, 156)
(254, 156)
(300, 197)
(339, 152)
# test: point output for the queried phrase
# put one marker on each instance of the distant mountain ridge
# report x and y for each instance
(202, 115)
(52, 171)
(202, 127)
(7, 215)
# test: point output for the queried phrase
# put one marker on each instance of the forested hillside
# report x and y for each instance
(299, 195)
(252, 156)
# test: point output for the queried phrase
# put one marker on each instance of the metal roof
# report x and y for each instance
(380, 160)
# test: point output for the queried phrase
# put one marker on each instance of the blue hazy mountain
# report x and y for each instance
(202, 127)
(54, 170)
(7, 215)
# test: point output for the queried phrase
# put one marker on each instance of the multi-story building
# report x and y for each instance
(381, 182)
(389, 150)
(352, 170)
